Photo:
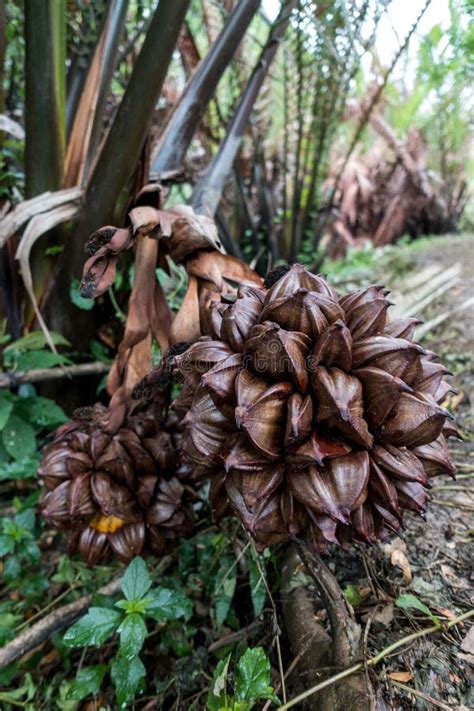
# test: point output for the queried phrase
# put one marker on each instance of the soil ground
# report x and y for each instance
(436, 553)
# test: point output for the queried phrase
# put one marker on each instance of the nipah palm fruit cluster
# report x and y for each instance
(116, 489)
(313, 413)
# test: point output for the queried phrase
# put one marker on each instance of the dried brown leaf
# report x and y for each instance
(402, 676)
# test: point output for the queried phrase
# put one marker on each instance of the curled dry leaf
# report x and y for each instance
(402, 676)
(183, 231)
(148, 316)
(399, 559)
(104, 246)
(467, 645)
(214, 268)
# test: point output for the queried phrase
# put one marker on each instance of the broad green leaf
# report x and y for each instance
(224, 588)
(77, 299)
(130, 606)
(22, 469)
(6, 406)
(42, 411)
(4, 458)
(62, 700)
(65, 571)
(93, 629)
(100, 351)
(7, 545)
(8, 673)
(132, 632)
(35, 340)
(26, 519)
(12, 569)
(41, 359)
(18, 438)
(127, 676)
(258, 591)
(87, 682)
(25, 692)
(26, 390)
(136, 580)
(31, 551)
(252, 679)
(169, 605)
(217, 696)
(412, 602)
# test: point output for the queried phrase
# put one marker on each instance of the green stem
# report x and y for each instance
(453, 504)
(8, 700)
(45, 88)
(54, 602)
(118, 311)
(452, 487)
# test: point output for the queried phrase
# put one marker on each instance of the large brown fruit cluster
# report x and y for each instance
(313, 413)
(116, 490)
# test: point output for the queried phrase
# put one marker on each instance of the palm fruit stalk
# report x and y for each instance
(190, 240)
(313, 413)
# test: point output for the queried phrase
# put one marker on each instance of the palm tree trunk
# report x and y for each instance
(115, 165)
(208, 190)
(45, 87)
(185, 118)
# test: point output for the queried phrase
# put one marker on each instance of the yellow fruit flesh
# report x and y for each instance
(106, 524)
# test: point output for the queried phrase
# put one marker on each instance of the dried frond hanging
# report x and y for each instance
(313, 413)
(189, 239)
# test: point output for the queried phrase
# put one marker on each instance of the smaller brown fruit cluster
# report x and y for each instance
(119, 492)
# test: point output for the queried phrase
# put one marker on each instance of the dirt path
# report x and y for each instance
(458, 334)
(438, 552)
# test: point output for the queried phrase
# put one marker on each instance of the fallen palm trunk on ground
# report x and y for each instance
(384, 196)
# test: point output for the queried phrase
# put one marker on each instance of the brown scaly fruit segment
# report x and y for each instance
(313, 413)
(117, 490)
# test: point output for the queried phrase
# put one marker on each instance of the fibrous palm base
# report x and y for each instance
(313, 413)
(116, 492)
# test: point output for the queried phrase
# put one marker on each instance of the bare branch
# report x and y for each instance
(12, 379)
(56, 620)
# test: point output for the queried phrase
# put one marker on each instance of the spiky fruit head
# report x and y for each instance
(116, 493)
(312, 412)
